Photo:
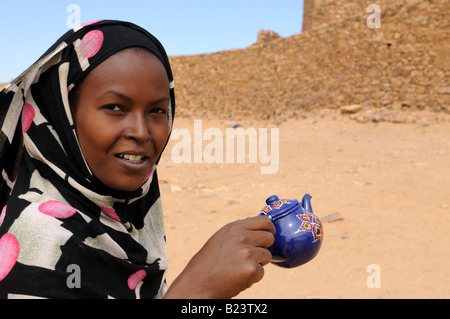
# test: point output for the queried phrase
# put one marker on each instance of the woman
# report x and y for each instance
(82, 131)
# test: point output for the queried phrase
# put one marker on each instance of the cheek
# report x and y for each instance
(94, 137)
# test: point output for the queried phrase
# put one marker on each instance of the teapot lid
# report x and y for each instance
(278, 208)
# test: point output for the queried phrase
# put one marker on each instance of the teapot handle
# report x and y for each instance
(306, 203)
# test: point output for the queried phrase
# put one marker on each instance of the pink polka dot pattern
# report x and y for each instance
(110, 212)
(89, 23)
(9, 252)
(149, 175)
(136, 278)
(56, 209)
(91, 43)
(28, 115)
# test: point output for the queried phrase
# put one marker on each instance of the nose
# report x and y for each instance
(137, 128)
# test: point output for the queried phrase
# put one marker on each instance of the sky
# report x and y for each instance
(29, 27)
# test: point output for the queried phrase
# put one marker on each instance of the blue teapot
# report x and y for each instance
(299, 233)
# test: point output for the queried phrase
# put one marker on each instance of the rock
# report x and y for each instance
(175, 189)
(168, 180)
(351, 108)
(267, 35)
(336, 216)
(232, 201)
(233, 124)
(344, 235)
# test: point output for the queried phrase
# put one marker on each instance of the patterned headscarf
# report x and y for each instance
(63, 233)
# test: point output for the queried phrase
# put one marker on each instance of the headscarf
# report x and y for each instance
(63, 233)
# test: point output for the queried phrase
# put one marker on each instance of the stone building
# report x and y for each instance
(339, 59)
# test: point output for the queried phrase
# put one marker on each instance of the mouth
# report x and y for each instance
(133, 161)
(132, 158)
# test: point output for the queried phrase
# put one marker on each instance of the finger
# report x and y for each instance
(261, 238)
(264, 256)
(253, 272)
(260, 223)
(258, 275)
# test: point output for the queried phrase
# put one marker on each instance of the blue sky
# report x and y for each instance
(28, 28)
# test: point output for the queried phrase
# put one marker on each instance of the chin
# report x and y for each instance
(126, 187)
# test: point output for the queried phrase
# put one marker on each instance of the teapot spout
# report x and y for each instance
(306, 203)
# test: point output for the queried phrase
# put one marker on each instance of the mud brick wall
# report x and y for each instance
(336, 61)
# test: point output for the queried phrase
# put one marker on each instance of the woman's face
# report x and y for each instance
(121, 118)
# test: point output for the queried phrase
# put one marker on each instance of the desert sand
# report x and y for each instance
(382, 190)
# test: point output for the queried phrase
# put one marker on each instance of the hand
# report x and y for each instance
(231, 261)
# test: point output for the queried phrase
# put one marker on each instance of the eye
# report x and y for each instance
(113, 107)
(159, 110)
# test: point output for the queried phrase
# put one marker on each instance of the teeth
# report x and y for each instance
(132, 158)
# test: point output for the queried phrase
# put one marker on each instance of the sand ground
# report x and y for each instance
(389, 182)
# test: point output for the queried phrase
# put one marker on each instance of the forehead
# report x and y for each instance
(135, 58)
(134, 66)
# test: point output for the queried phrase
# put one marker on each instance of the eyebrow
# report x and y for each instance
(129, 99)
(121, 95)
